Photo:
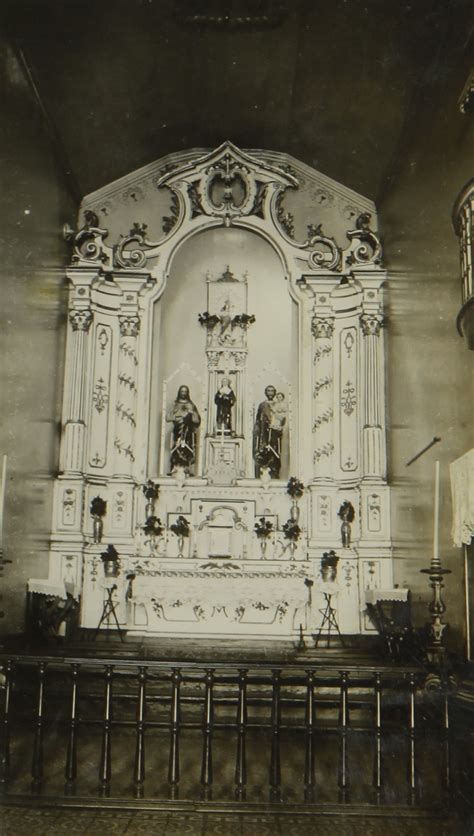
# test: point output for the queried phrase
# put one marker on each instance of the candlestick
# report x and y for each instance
(436, 607)
(2, 500)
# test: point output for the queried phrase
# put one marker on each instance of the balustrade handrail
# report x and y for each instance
(49, 688)
(294, 667)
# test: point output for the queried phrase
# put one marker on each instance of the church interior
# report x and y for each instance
(237, 488)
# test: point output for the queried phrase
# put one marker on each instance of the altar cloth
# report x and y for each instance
(222, 588)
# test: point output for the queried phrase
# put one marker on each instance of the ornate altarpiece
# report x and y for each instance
(219, 581)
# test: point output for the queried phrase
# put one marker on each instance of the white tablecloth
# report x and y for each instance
(221, 588)
(462, 489)
(374, 595)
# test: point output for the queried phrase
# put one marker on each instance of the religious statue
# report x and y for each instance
(186, 419)
(267, 434)
(224, 400)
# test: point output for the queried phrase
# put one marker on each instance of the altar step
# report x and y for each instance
(353, 650)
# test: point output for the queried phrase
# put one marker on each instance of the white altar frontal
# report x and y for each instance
(223, 430)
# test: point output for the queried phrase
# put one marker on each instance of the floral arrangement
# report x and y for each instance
(292, 531)
(243, 320)
(346, 512)
(151, 491)
(180, 527)
(329, 560)
(110, 555)
(295, 488)
(154, 526)
(207, 319)
(263, 528)
(98, 507)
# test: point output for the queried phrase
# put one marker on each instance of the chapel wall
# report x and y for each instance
(34, 203)
(430, 382)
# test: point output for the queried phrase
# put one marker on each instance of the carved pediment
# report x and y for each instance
(227, 183)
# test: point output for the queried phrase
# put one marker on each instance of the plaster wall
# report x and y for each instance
(430, 380)
(34, 204)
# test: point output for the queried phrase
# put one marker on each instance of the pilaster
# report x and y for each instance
(72, 451)
(323, 412)
(125, 409)
(373, 440)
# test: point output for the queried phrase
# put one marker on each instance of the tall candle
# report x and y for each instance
(2, 499)
(436, 516)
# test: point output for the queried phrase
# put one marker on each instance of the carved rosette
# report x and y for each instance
(373, 430)
(73, 445)
(125, 409)
(323, 411)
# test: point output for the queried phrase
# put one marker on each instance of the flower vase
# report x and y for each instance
(97, 529)
(263, 547)
(110, 568)
(346, 534)
(295, 511)
(180, 545)
(150, 509)
(293, 545)
(328, 574)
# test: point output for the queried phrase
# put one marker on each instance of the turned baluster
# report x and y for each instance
(343, 728)
(309, 779)
(37, 760)
(70, 771)
(241, 759)
(275, 769)
(139, 767)
(5, 730)
(206, 770)
(412, 771)
(175, 720)
(378, 761)
(105, 770)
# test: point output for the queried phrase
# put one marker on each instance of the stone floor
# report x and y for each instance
(16, 821)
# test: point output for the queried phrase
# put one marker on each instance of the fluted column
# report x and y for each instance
(74, 429)
(373, 430)
(126, 417)
(323, 409)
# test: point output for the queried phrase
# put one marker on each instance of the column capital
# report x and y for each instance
(80, 319)
(322, 326)
(129, 325)
(371, 324)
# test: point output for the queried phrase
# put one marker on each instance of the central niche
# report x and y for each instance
(224, 348)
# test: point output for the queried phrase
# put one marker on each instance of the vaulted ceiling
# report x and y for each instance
(335, 84)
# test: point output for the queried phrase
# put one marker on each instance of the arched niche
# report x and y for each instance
(179, 341)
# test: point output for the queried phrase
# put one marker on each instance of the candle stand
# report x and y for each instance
(437, 608)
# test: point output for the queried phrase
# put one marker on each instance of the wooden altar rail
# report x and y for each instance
(380, 703)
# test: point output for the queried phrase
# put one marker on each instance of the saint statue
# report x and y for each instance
(267, 433)
(186, 419)
(224, 400)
